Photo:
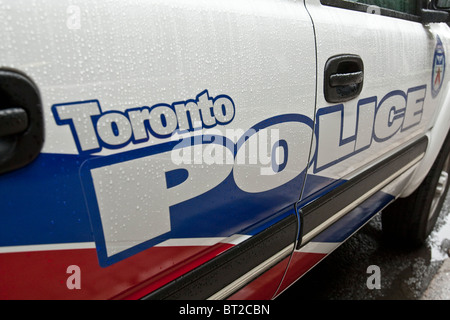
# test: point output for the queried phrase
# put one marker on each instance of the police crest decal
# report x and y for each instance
(438, 71)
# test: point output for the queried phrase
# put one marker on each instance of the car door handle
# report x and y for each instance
(21, 121)
(346, 79)
(343, 78)
(13, 121)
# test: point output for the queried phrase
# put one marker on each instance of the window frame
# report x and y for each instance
(362, 7)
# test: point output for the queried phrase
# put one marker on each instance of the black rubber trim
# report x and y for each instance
(355, 6)
(317, 212)
(208, 279)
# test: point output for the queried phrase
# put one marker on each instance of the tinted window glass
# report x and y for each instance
(405, 6)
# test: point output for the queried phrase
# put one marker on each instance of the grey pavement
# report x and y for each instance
(439, 288)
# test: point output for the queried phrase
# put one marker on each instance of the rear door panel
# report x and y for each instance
(367, 141)
(396, 104)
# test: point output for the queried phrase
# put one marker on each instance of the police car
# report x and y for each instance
(210, 149)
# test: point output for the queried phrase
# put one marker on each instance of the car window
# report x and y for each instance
(405, 6)
(402, 9)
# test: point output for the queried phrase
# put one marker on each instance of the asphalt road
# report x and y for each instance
(404, 275)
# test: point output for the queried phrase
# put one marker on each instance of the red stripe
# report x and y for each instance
(43, 275)
(301, 263)
(189, 264)
(265, 286)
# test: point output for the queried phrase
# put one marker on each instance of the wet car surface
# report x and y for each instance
(404, 274)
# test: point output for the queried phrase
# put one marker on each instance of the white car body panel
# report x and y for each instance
(178, 131)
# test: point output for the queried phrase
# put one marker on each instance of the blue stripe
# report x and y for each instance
(355, 219)
(43, 203)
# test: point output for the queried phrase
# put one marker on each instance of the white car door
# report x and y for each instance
(380, 82)
(380, 73)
